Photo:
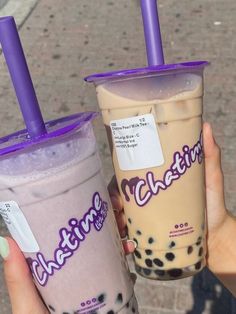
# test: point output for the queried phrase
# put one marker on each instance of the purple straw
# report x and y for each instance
(152, 32)
(20, 76)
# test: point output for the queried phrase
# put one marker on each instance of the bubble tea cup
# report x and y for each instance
(55, 203)
(153, 118)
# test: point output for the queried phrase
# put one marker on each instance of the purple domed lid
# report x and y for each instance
(146, 71)
(55, 128)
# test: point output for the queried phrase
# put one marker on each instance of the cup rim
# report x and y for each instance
(55, 129)
(159, 69)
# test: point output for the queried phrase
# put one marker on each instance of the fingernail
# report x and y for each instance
(133, 242)
(211, 131)
(4, 248)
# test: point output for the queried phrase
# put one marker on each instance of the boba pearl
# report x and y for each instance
(175, 272)
(198, 265)
(158, 262)
(127, 304)
(170, 256)
(129, 220)
(138, 232)
(137, 254)
(199, 241)
(133, 310)
(200, 251)
(147, 271)
(190, 250)
(172, 244)
(150, 240)
(159, 272)
(148, 252)
(111, 312)
(148, 262)
(101, 298)
(119, 298)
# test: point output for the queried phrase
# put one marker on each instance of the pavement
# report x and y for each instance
(67, 40)
(2, 3)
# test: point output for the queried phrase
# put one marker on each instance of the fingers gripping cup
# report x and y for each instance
(153, 118)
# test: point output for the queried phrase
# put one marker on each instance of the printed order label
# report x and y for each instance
(18, 226)
(137, 142)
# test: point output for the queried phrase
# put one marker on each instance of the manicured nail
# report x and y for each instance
(133, 243)
(4, 248)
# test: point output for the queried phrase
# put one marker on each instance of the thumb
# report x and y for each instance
(22, 291)
(216, 210)
(214, 174)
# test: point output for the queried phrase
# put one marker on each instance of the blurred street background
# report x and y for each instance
(67, 40)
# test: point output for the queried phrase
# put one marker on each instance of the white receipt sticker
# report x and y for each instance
(18, 226)
(137, 142)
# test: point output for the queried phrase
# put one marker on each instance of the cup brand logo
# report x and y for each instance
(143, 189)
(70, 238)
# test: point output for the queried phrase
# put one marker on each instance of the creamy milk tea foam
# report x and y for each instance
(57, 208)
(154, 127)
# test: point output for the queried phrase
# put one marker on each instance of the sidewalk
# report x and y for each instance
(67, 40)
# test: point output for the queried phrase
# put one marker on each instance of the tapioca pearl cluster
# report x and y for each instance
(152, 261)
(199, 247)
(148, 252)
(170, 274)
(171, 245)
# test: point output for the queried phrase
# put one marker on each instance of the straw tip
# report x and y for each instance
(6, 19)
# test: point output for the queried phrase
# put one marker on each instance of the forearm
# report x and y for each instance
(222, 254)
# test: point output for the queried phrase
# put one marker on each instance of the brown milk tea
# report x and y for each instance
(154, 126)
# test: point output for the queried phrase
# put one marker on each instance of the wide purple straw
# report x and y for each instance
(152, 32)
(17, 65)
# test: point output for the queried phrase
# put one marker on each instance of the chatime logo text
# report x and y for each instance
(70, 239)
(143, 189)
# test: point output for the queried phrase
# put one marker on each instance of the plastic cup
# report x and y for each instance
(153, 118)
(56, 206)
